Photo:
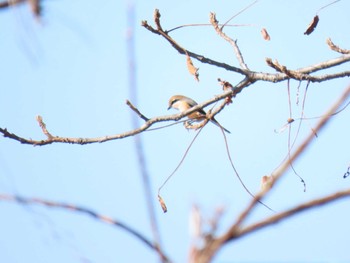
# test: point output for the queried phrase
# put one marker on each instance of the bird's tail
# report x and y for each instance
(219, 125)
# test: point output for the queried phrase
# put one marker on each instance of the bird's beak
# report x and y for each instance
(169, 107)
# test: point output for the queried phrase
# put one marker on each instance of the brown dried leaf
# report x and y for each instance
(312, 25)
(266, 182)
(162, 204)
(265, 34)
(35, 7)
(290, 120)
(228, 100)
(191, 68)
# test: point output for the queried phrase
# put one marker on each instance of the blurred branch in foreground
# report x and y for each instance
(75, 208)
(214, 244)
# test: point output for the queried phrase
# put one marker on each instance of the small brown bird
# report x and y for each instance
(183, 103)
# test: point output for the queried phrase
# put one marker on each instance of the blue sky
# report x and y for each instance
(72, 69)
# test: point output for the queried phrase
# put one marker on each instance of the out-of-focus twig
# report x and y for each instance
(10, 3)
(79, 209)
(139, 150)
(293, 211)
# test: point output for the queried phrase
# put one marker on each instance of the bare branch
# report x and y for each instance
(79, 209)
(298, 74)
(284, 167)
(211, 248)
(325, 64)
(201, 25)
(336, 48)
(43, 127)
(205, 254)
(82, 141)
(136, 110)
(292, 212)
(240, 12)
(183, 51)
(233, 43)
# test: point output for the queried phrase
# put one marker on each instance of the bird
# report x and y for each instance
(183, 103)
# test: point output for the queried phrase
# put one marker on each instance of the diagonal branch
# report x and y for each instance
(211, 247)
(231, 233)
(205, 254)
(233, 43)
(293, 211)
(79, 209)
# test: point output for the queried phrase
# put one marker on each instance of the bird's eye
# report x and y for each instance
(174, 101)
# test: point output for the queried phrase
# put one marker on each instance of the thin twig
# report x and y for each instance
(181, 161)
(290, 146)
(323, 7)
(233, 43)
(200, 25)
(336, 48)
(42, 125)
(136, 110)
(235, 15)
(237, 174)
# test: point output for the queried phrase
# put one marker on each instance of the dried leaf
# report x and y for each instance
(35, 7)
(312, 25)
(290, 120)
(162, 204)
(265, 34)
(228, 100)
(191, 68)
(266, 182)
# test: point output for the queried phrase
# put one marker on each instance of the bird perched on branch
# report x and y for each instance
(183, 103)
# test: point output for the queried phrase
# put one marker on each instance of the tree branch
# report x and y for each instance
(183, 51)
(212, 246)
(233, 43)
(298, 74)
(292, 212)
(144, 127)
(285, 165)
(71, 207)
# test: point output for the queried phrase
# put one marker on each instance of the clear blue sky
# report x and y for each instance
(72, 69)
